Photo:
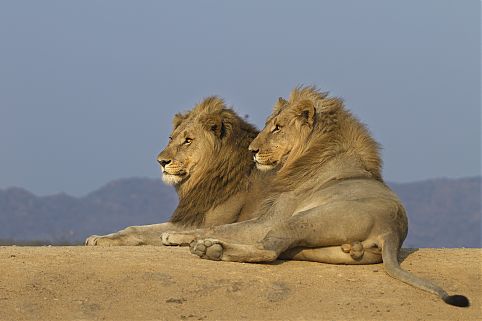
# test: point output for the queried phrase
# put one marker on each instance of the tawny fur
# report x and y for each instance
(327, 201)
(224, 173)
(335, 133)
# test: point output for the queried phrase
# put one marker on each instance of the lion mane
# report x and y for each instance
(228, 170)
(337, 134)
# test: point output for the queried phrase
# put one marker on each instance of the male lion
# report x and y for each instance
(208, 161)
(327, 196)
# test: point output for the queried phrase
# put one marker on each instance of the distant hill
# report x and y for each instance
(65, 219)
(442, 212)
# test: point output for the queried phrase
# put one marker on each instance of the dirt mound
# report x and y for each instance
(161, 283)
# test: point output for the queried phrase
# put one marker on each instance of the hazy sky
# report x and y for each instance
(88, 88)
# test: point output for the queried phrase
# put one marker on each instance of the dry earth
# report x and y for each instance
(160, 283)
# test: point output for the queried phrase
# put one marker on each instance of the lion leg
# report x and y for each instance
(335, 254)
(242, 232)
(132, 235)
(183, 238)
(239, 242)
(313, 228)
(321, 227)
(245, 232)
(213, 249)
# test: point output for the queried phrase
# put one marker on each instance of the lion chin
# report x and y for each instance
(171, 179)
(265, 167)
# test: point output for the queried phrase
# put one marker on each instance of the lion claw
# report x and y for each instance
(91, 240)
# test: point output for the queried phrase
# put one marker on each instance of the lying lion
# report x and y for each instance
(208, 162)
(328, 202)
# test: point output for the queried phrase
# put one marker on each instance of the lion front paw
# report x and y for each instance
(207, 249)
(176, 238)
(355, 249)
(96, 240)
(115, 239)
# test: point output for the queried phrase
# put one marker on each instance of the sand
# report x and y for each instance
(166, 283)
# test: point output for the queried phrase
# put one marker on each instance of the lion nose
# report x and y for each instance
(253, 150)
(164, 162)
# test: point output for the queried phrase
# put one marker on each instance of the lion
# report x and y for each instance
(327, 201)
(208, 162)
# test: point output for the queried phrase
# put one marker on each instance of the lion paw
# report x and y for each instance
(91, 240)
(207, 249)
(176, 238)
(355, 249)
(114, 239)
(96, 240)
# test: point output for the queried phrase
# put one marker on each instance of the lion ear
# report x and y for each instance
(306, 112)
(279, 104)
(214, 124)
(178, 119)
(282, 101)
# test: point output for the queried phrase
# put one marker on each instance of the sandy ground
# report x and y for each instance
(162, 283)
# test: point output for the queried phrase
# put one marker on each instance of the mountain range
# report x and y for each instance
(442, 212)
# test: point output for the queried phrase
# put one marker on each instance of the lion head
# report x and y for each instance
(191, 144)
(307, 130)
(207, 158)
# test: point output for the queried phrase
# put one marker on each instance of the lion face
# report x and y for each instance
(179, 157)
(189, 145)
(197, 137)
(284, 131)
(272, 144)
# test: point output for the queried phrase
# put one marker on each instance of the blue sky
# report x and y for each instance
(88, 88)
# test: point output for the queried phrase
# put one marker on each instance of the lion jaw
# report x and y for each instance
(171, 179)
(263, 165)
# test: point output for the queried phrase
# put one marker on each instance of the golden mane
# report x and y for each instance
(336, 133)
(227, 170)
(299, 93)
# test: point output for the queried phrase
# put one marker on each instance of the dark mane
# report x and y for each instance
(228, 170)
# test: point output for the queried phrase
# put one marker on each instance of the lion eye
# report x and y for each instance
(187, 141)
(170, 138)
(276, 128)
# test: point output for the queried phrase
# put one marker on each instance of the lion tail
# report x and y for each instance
(390, 250)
